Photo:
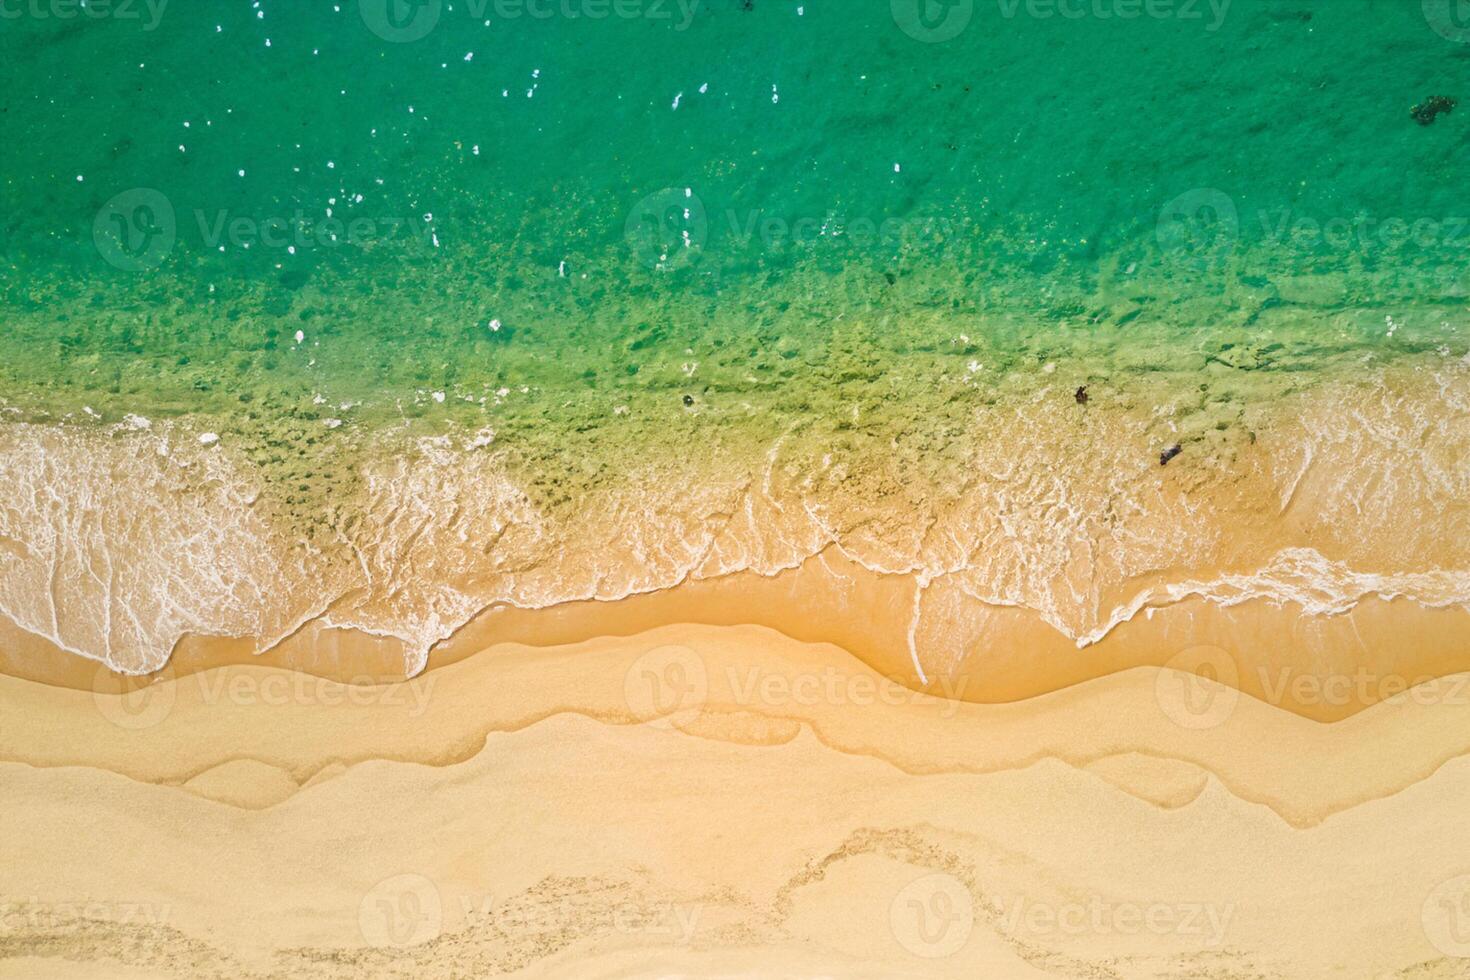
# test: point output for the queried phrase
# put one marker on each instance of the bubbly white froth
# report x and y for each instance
(116, 543)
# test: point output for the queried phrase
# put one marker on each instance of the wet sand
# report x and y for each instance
(1321, 666)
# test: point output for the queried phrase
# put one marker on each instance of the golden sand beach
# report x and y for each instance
(724, 802)
(734, 490)
(1204, 721)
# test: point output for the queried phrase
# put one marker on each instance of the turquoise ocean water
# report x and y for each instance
(188, 185)
(600, 235)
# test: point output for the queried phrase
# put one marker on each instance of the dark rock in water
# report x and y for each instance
(1427, 111)
(688, 401)
(1169, 454)
(1081, 395)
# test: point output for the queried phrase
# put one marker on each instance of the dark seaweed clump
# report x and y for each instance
(1427, 111)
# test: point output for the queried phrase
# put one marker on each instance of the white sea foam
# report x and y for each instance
(116, 543)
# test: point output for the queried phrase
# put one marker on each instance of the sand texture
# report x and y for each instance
(724, 802)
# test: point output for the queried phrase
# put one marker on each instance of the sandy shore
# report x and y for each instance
(1020, 540)
(723, 801)
(1321, 665)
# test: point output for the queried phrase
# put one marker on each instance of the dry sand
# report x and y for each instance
(701, 801)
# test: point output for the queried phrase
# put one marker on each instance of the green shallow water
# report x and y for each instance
(675, 293)
(840, 197)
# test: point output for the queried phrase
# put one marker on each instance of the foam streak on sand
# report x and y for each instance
(120, 543)
(1304, 578)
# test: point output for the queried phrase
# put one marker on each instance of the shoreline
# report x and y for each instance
(1142, 728)
(1018, 546)
(1330, 667)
